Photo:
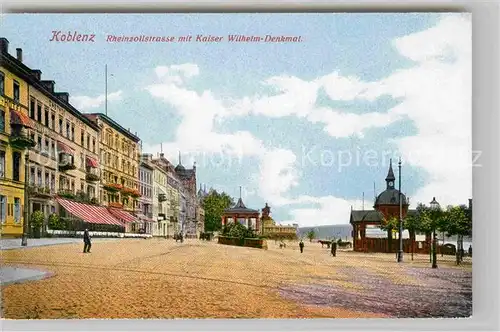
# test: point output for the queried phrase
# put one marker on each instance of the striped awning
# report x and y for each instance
(91, 162)
(18, 118)
(122, 215)
(89, 213)
(63, 148)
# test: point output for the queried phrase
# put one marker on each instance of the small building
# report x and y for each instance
(273, 230)
(245, 216)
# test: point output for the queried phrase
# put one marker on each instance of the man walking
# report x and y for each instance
(86, 241)
(301, 246)
(334, 248)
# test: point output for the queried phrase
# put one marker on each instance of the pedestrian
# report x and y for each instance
(301, 246)
(470, 250)
(86, 240)
(334, 248)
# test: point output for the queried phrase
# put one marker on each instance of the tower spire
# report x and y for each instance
(390, 177)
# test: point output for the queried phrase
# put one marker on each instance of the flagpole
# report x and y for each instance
(106, 89)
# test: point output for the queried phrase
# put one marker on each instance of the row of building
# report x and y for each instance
(83, 166)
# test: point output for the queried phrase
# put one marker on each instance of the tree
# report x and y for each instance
(388, 225)
(214, 205)
(459, 223)
(413, 223)
(311, 235)
(237, 230)
(433, 220)
(36, 222)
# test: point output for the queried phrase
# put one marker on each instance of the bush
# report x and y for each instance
(54, 222)
(36, 219)
(237, 230)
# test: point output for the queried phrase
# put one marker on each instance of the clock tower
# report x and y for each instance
(390, 178)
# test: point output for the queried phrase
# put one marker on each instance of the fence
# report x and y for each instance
(234, 241)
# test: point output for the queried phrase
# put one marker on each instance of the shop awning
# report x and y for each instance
(63, 148)
(18, 118)
(91, 162)
(122, 215)
(89, 213)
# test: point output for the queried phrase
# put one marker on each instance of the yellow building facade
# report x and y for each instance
(14, 139)
(120, 158)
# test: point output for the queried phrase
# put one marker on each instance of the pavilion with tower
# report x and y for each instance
(243, 215)
(387, 206)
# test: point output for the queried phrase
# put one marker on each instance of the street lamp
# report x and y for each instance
(434, 208)
(400, 252)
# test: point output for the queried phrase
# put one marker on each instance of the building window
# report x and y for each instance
(2, 83)
(16, 91)
(39, 178)
(2, 121)
(39, 112)
(53, 121)
(32, 175)
(82, 135)
(47, 123)
(60, 126)
(2, 164)
(47, 147)
(39, 146)
(53, 182)
(32, 108)
(68, 135)
(47, 180)
(17, 210)
(3, 209)
(88, 141)
(53, 150)
(73, 132)
(16, 165)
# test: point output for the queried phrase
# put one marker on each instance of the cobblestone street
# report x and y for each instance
(159, 278)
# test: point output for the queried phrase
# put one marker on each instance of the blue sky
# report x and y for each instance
(262, 115)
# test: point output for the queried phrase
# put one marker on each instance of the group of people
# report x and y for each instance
(333, 247)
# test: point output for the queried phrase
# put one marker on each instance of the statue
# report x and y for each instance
(265, 212)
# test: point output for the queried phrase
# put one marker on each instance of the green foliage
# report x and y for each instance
(390, 224)
(214, 205)
(239, 231)
(311, 235)
(54, 222)
(458, 221)
(36, 219)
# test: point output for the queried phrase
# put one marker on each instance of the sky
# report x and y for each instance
(308, 127)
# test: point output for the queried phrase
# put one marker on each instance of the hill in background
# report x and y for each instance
(328, 231)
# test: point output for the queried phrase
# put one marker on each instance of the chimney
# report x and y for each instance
(64, 96)
(49, 85)
(4, 45)
(162, 155)
(37, 73)
(19, 54)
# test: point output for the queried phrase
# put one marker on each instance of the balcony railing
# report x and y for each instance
(92, 174)
(40, 191)
(66, 162)
(19, 138)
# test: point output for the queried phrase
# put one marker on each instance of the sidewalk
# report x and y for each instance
(14, 275)
(9, 244)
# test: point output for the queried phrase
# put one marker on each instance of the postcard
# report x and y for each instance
(163, 166)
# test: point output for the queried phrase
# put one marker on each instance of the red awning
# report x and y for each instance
(63, 148)
(89, 213)
(122, 215)
(18, 118)
(91, 162)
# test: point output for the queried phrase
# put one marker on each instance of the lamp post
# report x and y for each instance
(435, 209)
(24, 239)
(400, 252)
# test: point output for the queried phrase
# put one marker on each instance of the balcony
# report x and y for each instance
(65, 193)
(66, 162)
(92, 175)
(40, 191)
(19, 138)
(130, 192)
(112, 187)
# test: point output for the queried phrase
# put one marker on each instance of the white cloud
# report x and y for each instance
(435, 94)
(84, 103)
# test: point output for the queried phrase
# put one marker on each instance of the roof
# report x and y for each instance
(240, 207)
(390, 174)
(122, 215)
(390, 197)
(112, 123)
(370, 215)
